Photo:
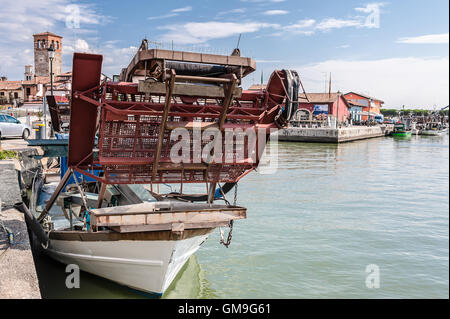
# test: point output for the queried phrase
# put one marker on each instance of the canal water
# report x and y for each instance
(328, 214)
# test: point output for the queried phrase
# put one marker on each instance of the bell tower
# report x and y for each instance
(42, 42)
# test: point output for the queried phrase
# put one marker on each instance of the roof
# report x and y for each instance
(10, 85)
(320, 98)
(17, 85)
(363, 95)
(41, 79)
(47, 34)
(257, 87)
(37, 80)
(355, 104)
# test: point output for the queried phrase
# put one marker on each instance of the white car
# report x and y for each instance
(11, 127)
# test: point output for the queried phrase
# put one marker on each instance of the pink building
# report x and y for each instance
(332, 104)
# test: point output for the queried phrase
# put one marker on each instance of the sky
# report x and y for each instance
(397, 51)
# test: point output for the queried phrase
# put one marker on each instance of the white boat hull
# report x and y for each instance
(431, 132)
(145, 265)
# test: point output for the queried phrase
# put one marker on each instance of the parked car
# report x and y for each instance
(11, 127)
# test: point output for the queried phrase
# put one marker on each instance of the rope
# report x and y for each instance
(10, 235)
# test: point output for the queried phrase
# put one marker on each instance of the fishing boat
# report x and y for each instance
(103, 210)
(401, 131)
(434, 129)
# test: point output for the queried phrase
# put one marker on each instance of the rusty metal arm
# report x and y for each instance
(101, 195)
(223, 115)
(55, 194)
(168, 103)
(227, 101)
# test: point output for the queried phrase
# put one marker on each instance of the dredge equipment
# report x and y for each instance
(132, 131)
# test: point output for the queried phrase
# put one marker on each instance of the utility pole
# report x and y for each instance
(337, 113)
(329, 87)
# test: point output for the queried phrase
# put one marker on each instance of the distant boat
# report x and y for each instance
(401, 131)
(434, 129)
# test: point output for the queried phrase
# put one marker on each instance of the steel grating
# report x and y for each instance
(130, 123)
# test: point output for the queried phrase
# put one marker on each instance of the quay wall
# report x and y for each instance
(18, 277)
(332, 135)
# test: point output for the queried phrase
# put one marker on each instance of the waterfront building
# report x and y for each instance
(368, 104)
(319, 103)
(325, 103)
(35, 84)
(356, 112)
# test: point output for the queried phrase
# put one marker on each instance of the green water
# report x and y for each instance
(314, 226)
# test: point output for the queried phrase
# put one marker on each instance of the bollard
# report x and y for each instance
(40, 132)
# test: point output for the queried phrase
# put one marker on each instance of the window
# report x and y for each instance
(28, 91)
(2, 118)
(2, 93)
(16, 95)
(10, 119)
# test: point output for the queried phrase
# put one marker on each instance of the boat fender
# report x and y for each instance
(32, 222)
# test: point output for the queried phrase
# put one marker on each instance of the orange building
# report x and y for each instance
(369, 104)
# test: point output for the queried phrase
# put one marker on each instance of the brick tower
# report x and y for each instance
(43, 41)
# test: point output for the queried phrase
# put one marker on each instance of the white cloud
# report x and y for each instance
(370, 7)
(172, 13)
(232, 11)
(299, 27)
(20, 19)
(333, 23)
(184, 9)
(275, 12)
(410, 81)
(81, 46)
(426, 39)
(200, 32)
(371, 20)
(168, 15)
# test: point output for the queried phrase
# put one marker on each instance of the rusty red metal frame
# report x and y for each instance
(132, 127)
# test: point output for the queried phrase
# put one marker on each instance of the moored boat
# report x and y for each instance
(141, 246)
(401, 131)
(434, 129)
(99, 216)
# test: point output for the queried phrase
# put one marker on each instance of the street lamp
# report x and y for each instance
(51, 56)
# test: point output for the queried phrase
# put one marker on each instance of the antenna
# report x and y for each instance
(239, 41)
(236, 51)
(262, 80)
(329, 87)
